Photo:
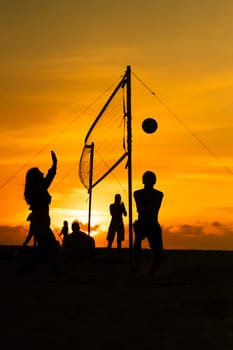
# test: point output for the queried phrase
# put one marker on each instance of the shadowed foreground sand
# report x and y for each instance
(100, 305)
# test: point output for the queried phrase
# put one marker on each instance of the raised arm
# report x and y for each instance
(54, 159)
(52, 171)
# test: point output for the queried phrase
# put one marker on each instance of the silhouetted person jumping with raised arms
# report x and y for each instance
(148, 201)
(38, 198)
(117, 210)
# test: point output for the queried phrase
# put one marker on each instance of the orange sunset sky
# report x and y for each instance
(59, 61)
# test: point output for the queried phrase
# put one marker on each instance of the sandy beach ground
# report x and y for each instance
(100, 304)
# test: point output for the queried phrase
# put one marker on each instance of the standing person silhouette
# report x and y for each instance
(148, 201)
(65, 229)
(38, 198)
(117, 210)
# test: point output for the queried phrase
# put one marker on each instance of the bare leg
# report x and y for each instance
(137, 254)
(119, 246)
(109, 245)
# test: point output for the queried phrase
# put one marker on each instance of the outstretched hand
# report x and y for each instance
(54, 158)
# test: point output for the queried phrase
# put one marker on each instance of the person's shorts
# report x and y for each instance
(152, 232)
(116, 228)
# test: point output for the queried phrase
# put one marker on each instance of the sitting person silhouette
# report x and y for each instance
(38, 198)
(117, 210)
(148, 201)
(78, 245)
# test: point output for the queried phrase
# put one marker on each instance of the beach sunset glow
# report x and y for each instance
(60, 61)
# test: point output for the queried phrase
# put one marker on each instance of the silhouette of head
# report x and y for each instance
(34, 183)
(149, 178)
(75, 226)
(34, 175)
(65, 223)
(117, 198)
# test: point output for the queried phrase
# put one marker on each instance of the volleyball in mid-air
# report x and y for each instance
(149, 125)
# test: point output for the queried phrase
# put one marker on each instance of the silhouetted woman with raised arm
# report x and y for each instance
(38, 198)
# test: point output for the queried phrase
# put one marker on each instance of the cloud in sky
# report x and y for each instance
(215, 235)
(12, 235)
(203, 235)
(200, 236)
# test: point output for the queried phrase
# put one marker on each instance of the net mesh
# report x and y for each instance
(107, 135)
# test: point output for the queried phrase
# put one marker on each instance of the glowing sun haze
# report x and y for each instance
(59, 63)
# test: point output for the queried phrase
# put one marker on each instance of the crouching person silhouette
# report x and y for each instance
(78, 245)
(148, 201)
